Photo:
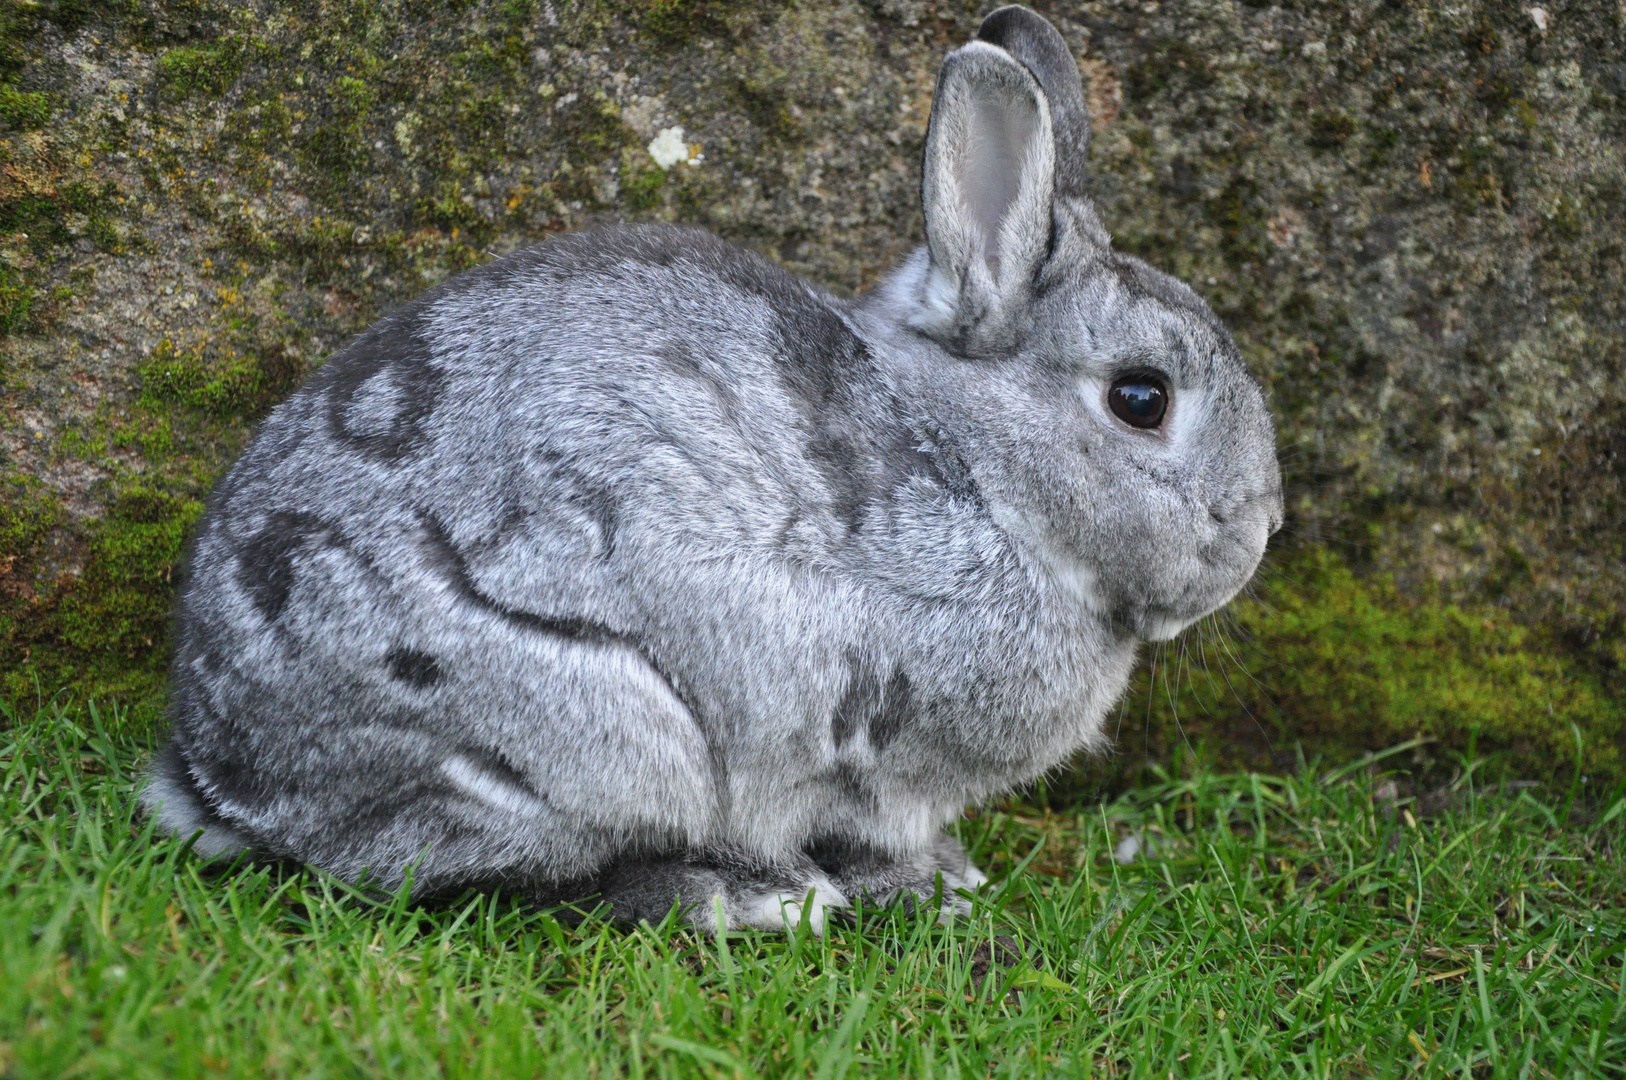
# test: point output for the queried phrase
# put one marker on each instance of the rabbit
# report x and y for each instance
(632, 568)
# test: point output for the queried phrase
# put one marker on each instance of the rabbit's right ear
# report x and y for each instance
(987, 187)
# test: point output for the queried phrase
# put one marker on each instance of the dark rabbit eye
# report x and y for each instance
(1139, 401)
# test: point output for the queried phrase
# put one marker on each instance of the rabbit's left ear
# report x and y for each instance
(1039, 47)
(995, 162)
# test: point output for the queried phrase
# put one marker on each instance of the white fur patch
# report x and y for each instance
(375, 406)
(1076, 577)
(786, 911)
(939, 299)
(176, 812)
(972, 875)
(1164, 627)
(495, 792)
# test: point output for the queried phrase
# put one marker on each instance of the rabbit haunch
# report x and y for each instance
(631, 567)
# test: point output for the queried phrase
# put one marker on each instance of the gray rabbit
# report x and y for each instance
(632, 567)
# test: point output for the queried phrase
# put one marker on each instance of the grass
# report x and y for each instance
(1281, 926)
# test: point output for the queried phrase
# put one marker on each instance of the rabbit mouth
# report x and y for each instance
(1158, 625)
(1151, 622)
(1131, 599)
(1154, 618)
(1139, 618)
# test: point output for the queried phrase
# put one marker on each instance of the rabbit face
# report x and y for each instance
(1122, 438)
(1169, 487)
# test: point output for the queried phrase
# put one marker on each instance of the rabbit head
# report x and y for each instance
(1110, 419)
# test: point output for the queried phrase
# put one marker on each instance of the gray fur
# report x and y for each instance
(630, 565)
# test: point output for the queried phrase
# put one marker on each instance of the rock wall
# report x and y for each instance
(1410, 213)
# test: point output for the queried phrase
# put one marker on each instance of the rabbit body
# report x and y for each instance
(632, 566)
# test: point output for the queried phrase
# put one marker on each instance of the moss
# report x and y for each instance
(105, 631)
(39, 196)
(202, 70)
(38, 200)
(23, 22)
(674, 22)
(641, 180)
(337, 143)
(215, 378)
(449, 207)
(1566, 219)
(124, 607)
(766, 98)
(1380, 143)
(496, 57)
(1334, 663)
(22, 109)
(593, 126)
(1176, 63)
(1239, 213)
(1482, 37)
(16, 298)
(28, 514)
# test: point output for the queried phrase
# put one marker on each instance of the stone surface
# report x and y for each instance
(1411, 214)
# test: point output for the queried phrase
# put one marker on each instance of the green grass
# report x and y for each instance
(1283, 926)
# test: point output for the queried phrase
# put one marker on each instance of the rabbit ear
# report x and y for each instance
(1039, 46)
(987, 189)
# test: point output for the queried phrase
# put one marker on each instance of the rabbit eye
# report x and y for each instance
(1139, 401)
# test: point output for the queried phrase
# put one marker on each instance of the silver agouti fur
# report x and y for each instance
(632, 567)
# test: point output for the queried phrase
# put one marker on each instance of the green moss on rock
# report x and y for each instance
(16, 299)
(212, 377)
(202, 70)
(1323, 661)
(104, 631)
(641, 180)
(22, 109)
(134, 554)
(28, 516)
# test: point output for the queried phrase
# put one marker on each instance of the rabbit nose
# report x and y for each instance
(1223, 511)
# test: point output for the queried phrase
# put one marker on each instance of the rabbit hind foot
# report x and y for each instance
(779, 909)
(943, 872)
(722, 891)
